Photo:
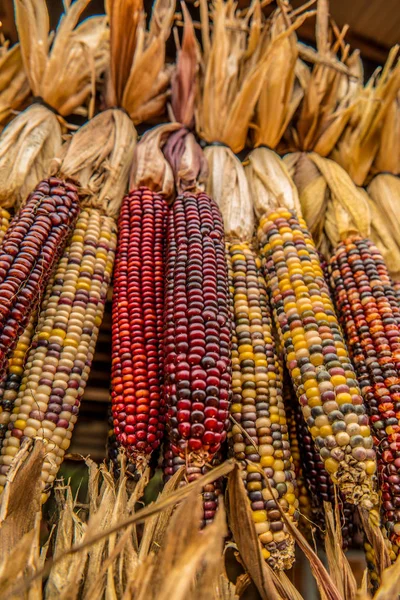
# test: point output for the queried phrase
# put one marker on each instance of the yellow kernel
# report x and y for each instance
(338, 380)
(325, 430)
(259, 516)
(370, 467)
(58, 333)
(267, 461)
(331, 465)
(20, 424)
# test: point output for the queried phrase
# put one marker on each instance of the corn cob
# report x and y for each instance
(211, 492)
(59, 361)
(197, 328)
(259, 437)
(30, 249)
(137, 325)
(316, 356)
(10, 386)
(370, 320)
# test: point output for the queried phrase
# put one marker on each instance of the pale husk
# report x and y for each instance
(227, 185)
(388, 155)
(330, 90)
(62, 70)
(138, 77)
(27, 147)
(270, 182)
(98, 157)
(331, 203)
(14, 87)
(150, 168)
(359, 143)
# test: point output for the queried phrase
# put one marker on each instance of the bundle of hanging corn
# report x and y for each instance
(97, 159)
(259, 436)
(62, 68)
(138, 302)
(34, 138)
(14, 87)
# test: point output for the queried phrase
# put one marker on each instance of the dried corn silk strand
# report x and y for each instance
(58, 365)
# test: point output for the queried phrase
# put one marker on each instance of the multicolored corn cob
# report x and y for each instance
(30, 250)
(369, 317)
(58, 364)
(137, 325)
(197, 329)
(316, 356)
(211, 492)
(259, 437)
(10, 386)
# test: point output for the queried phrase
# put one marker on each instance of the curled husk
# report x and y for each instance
(62, 69)
(98, 157)
(271, 185)
(150, 168)
(227, 185)
(138, 77)
(27, 146)
(14, 87)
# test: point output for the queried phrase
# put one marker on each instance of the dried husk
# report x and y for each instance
(27, 146)
(138, 77)
(359, 143)
(62, 70)
(270, 182)
(183, 153)
(331, 204)
(330, 90)
(150, 168)
(98, 157)
(64, 77)
(227, 185)
(14, 87)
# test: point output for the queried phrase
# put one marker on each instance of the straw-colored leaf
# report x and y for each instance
(14, 87)
(227, 185)
(27, 147)
(99, 157)
(270, 183)
(339, 567)
(370, 523)
(388, 155)
(389, 588)
(64, 74)
(384, 190)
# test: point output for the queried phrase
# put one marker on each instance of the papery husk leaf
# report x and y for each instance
(138, 77)
(370, 522)
(278, 96)
(14, 86)
(150, 168)
(23, 481)
(388, 155)
(381, 235)
(243, 529)
(347, 195)
(227, 185)
(389, 588)
(64, 74)
(270, 183)
(99, 157)
(339, 567)
(291, 593)
(231, 75)
(359, 143)
(27, 147)
(384, 190)
(13, 565)
(225, 589)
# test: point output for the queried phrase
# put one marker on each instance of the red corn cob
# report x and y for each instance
(197, 329)
(137, 324)
(31, 248)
